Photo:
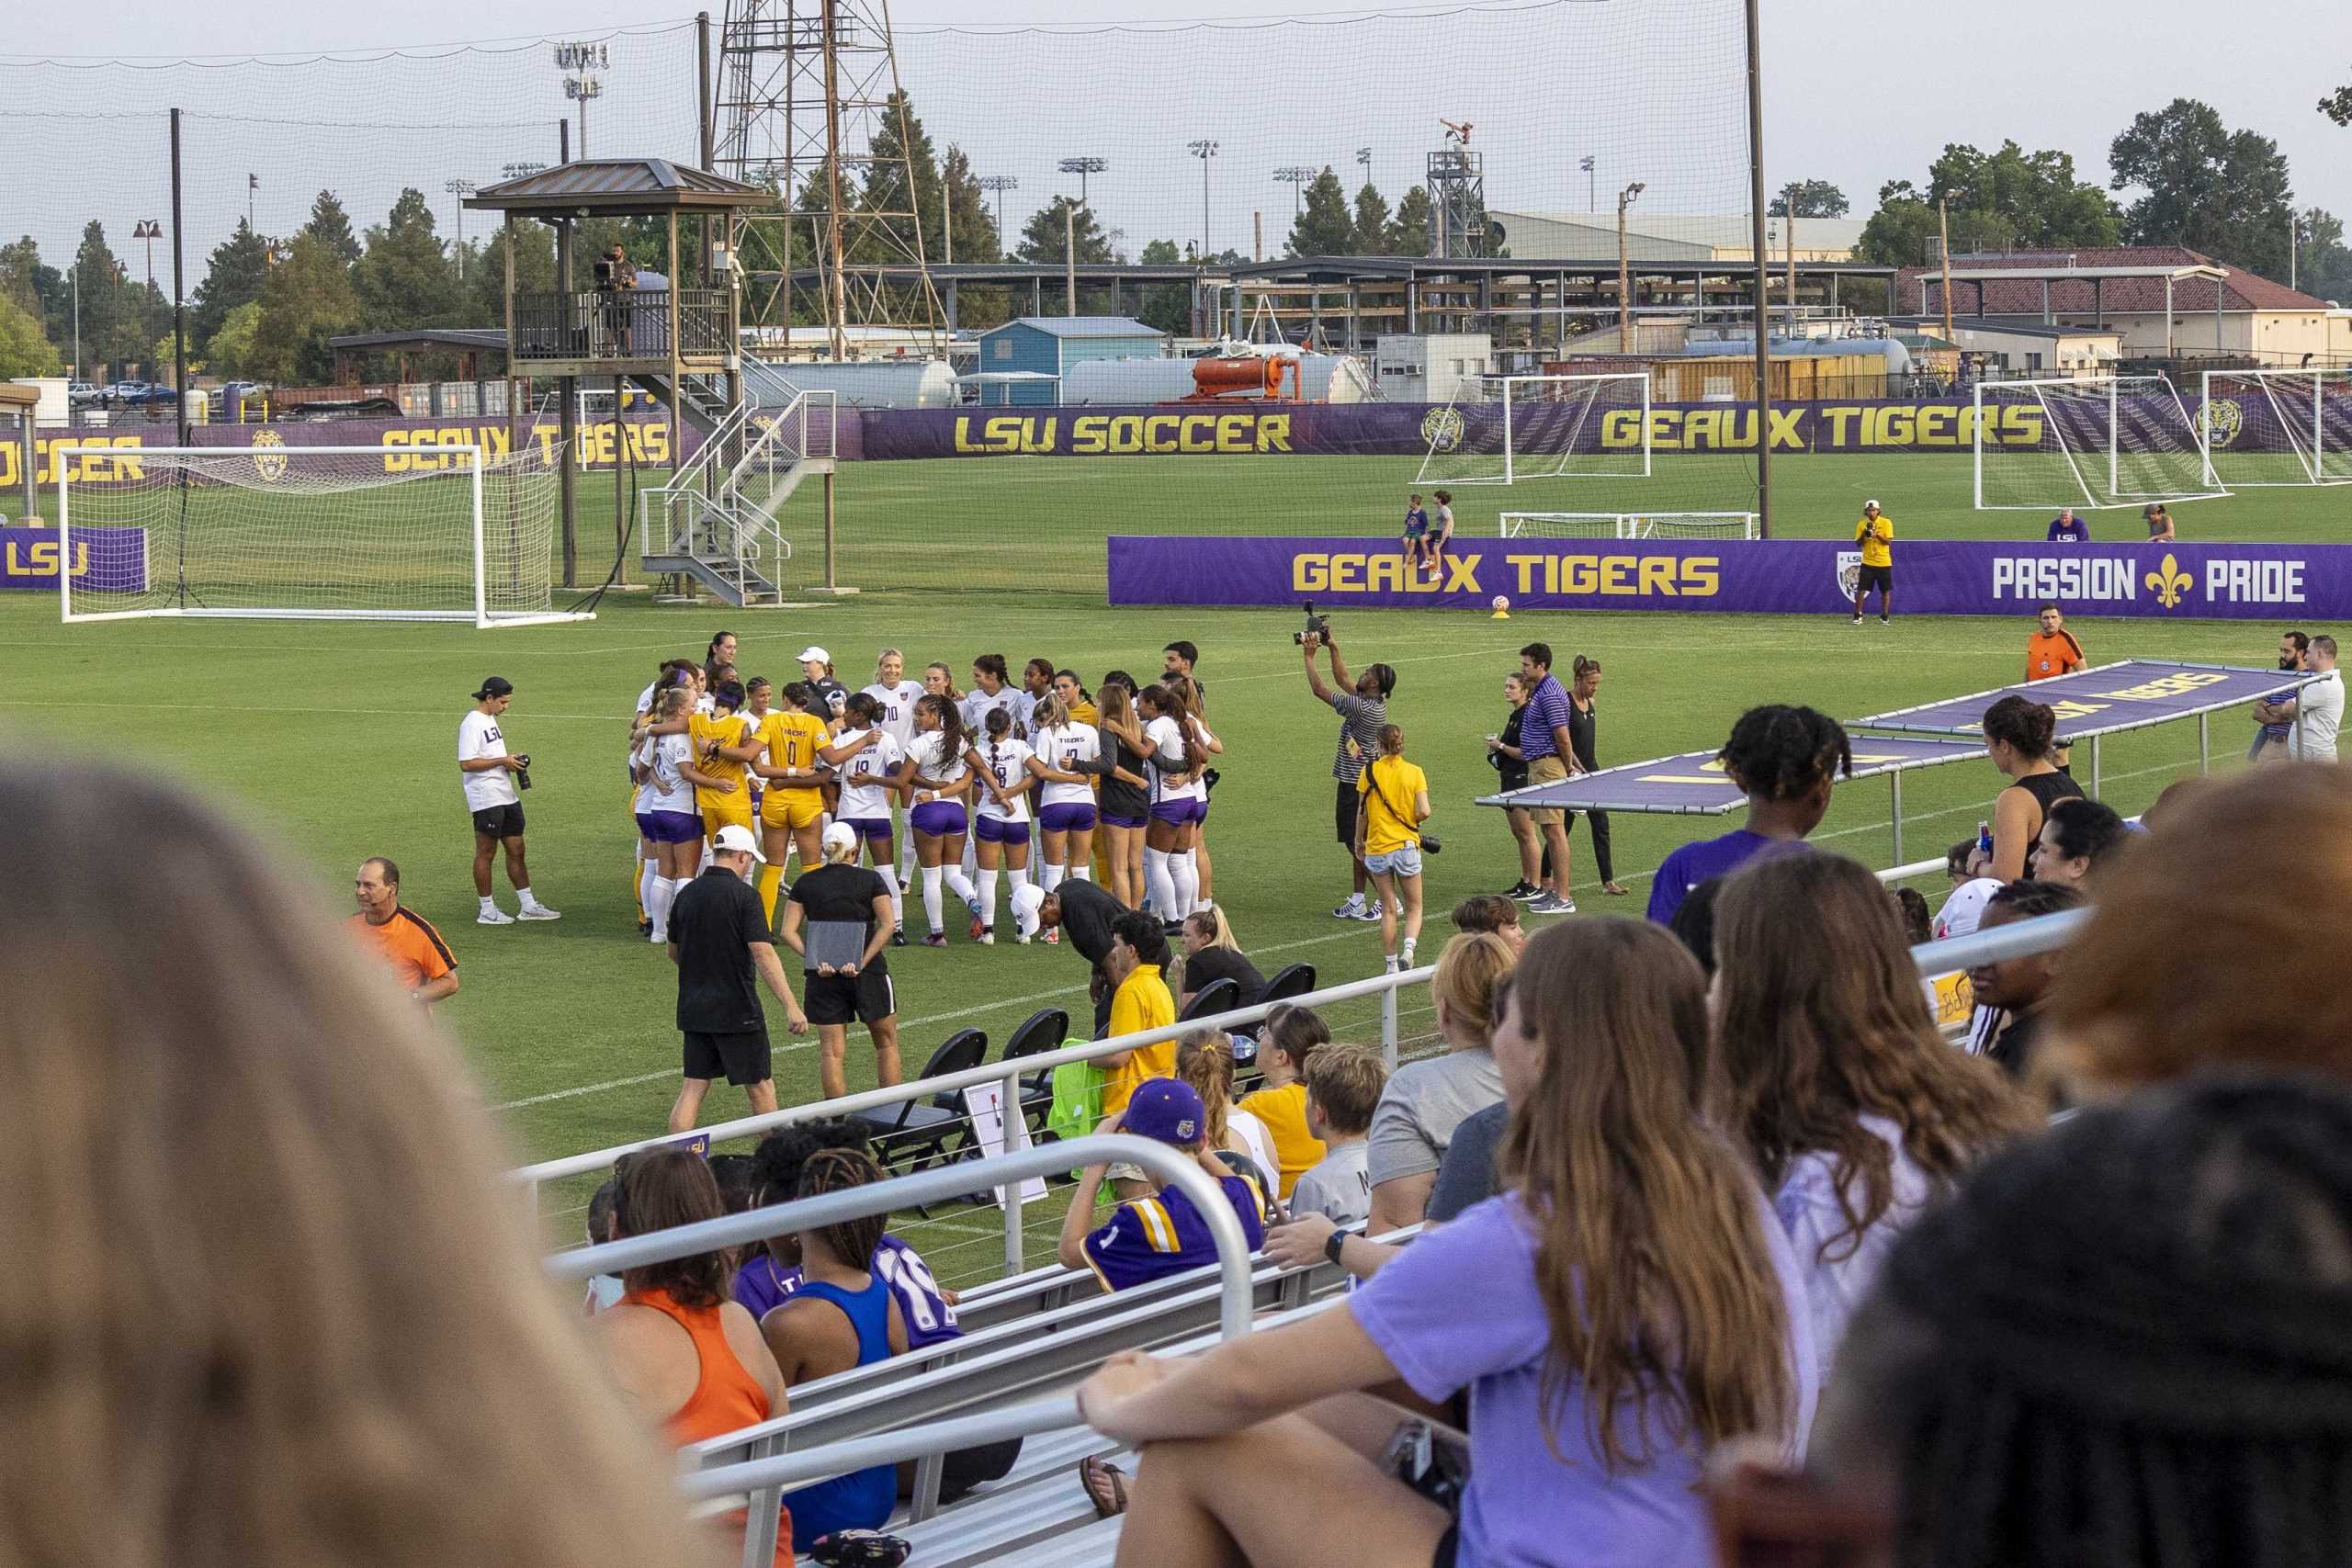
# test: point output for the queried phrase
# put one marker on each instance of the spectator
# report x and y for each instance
(1140, 1001)
(1911, 909)
(1292, 1036)
(2017, 736)
(1508, 755)
(2078, 835)
(1694, 923)
(686, 1354)
(2181, 969)
(1785, 760)
(1491, 912)
(2314, 713)
(603, 1290)
(1609, 1333)
(1362, 706)
(1956, 861)
(1211, 954)
(1427, 1099)
(405, 939)
(2179, 1398)
(2018, 987)
(211, 1097)
(1856, 1113)
(1158, 1232)
(1547, 743)
(2068, 529)
(1205, 1061)
(2174, 795)
(1343, 1085)
(928, 1311)
(2158, 518)
(1388, 837)
(2294, 649)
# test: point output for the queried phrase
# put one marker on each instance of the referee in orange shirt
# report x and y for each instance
(405, 939)
(2051, 650)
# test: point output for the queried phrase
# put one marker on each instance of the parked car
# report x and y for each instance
(124, 393)
(80, 394)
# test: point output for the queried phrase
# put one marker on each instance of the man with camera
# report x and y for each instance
(493, 781)
(615, 277)
(1362, 706)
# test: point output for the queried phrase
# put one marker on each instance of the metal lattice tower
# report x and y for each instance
(808, 105)
(1457, 187)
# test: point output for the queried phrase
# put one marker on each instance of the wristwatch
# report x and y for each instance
(1333, 1245)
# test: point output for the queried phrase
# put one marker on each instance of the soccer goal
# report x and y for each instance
(1507, 429)
(1630, 526)
(2099, 442)
(2276, 427)
(310, 532)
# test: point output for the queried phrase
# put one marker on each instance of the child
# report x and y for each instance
(1152, 1236)
(1343, 1085)
(1292, 1035)
(1440, 535)
(1417, 527)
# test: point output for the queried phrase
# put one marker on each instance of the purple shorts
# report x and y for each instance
(996, 830)
(1177, 813)
(1069, 817)
(869, 828)
(1113, 820)
(669, 826)
(938, 819)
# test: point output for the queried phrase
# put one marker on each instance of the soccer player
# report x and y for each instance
(1037, 685)
(723, 748)
(940, 779)
(1068, 758)
(1786, 759)
(404, 938)
(1875, 533)
(832, 697)
(792, 815)
(1151, 1237)
(895, 697)
(1417, 528)
(666, 818)
(872, 767)
(990, 691)
(836, 903)
(2051, 650)
(1440, 534)
(1179, 801)
(1001, 762)
(2068, 529)
(496, 803)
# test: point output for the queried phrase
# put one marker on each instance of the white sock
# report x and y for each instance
(987, 898)
(1081, 872)
(961, 885)
(647, 873)
(898, 899)
(1406, 950)
(907, 855)
(1052, 878)
(530, 900)
(1186, 880)
(489, 904)
(660, 892)
(931, 875)
(1159, 884)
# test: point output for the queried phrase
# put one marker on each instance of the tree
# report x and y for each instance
(233, 276)
(306, 299)
(405, 279)
(332, 225)
(105, 304)
(2337, 106)
(1410, 234)
(1370, 237)
(2327, 264)
(1324, 227)
(2223, 192)
(1814, 198)
(1166, 306)
(25, 348)
(483, 303)
(976, 236)
(1999, 200)
(229, 351)
(1044, 238)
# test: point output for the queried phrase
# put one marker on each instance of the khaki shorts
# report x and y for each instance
(1547, 770)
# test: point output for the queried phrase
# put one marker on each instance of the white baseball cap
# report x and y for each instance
(813, 653)
(1026, 901)
(1965, 910)
(840, 835)
(1870, 506)
(737, 839)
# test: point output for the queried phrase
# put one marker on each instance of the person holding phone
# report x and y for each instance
(837, 918)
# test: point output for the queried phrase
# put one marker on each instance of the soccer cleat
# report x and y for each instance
(897, 936)
(493, 916)
(1551, 903)
(987, 937)
(1053, 936)
(537, 912)
(936, 939)
(1020, 938)
(658, 939)
(1884, 622)
(1858, 620)
(979, 928)
(1521, 891)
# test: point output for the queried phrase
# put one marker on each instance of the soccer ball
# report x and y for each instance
(1502, 602)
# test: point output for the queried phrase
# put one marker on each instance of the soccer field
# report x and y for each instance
(333, 741)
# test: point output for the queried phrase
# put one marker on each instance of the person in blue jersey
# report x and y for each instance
(773, 1271)
(1786, 759)
(1161, 1233)
(2068, 529)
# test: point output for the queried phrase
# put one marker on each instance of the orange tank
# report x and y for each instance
(1244, 376)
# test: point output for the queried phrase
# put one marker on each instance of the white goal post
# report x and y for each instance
(308, 533)
(1511, 428)
(1630, 526)
(2276, 427)
(2090, 444)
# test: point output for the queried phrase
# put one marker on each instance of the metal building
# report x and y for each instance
(1024, 360)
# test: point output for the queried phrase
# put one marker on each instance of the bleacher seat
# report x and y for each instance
(915, 1134)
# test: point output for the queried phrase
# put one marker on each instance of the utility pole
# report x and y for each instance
(150, 230)
(1625, 198)
(1762, 297)
(253, 183)
(1069, 258)
(460, 189)
(1203, 149)
(1789, 219)
(2294, 244)
(1944, 247)
(1363, 157)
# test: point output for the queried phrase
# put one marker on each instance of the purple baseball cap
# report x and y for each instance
(1167, 1111)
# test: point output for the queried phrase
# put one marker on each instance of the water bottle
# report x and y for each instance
(1984, 839)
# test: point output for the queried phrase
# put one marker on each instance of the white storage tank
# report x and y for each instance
(874, 384)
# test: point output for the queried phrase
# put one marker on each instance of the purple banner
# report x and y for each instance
(112, 560)
(409, 445)
(2124, 696)
(1694, 784)
(1950, 577)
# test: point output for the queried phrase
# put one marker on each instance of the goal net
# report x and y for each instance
(351, 533)
(2090, 444)
(1629, 525)
(1507, 429)
(2276, 427)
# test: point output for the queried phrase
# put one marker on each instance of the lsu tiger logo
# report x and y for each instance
(2225, 421)
(269, 455)
(1850, 574)
(1442, 429)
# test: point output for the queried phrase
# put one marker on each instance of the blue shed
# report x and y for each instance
(1047, 346)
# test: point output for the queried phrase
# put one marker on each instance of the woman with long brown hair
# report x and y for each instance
(270, 1301)
(1125, 801)
(1856, 1113)
(1627, 1306)
(1205, 1060)
(2020, 737)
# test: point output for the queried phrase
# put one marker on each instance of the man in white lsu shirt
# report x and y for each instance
(2315, 711)
(490, 778)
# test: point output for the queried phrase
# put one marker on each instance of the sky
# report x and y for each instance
(1855, 95)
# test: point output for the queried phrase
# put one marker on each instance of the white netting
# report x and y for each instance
(2278, 427)
(1629, 525)
(1507, 429)
(368, 534)
(2098, 442)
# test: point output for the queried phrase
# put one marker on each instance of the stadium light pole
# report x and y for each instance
(147, 228)
(460, 189)
(1203, 149)
(517, 171)
(1082, 167)
(582, 61)
(1625, 198)
(1000, 184)
(1294, 176)
(1591, 182)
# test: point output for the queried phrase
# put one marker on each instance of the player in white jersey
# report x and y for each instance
(895, 697)
(990, 691)
(1069, 759)
(1188, 696)
(1179, 800)
(1001, 759)
(1037, 685)
(939, 780)
(870, 767)
(666, 816)
(646, 869)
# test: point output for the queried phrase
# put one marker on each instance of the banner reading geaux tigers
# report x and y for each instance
(2287, 583)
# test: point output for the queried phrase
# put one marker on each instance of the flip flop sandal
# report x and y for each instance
(859, 1549)
(1106, 1486)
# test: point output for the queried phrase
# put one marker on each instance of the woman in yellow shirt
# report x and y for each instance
(792, 811)
(1396, 797)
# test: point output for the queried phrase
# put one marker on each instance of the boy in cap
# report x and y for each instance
(1161, 1233)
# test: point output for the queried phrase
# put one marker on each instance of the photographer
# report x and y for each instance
(615, 277)
(1362, 706)
(492, 781)
(1389, 840)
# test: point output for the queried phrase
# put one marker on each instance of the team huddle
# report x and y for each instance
(948, 791)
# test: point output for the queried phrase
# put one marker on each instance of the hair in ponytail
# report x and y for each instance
(1164, 703)
(1584, 666)
(999, 724)
(1204, 1061)
(954, 738)
(1048, 714)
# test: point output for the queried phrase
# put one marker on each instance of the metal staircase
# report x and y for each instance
(716, 521)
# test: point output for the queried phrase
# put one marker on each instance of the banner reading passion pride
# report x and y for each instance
(1953, 577)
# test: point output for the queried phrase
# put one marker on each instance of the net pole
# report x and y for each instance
(1646, 425)
(2114, 434)
(179, 307)
(1509, 385)
(482, 563)
(1763, 271)
(1976, 447)
(2319, 431)
(64, 538)
(2205, 426)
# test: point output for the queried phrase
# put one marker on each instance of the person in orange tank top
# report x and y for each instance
(688, 1357)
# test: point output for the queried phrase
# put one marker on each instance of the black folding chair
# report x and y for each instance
(1287, 985)
(1218, 996)
(1043, 1031)
(919, 1130)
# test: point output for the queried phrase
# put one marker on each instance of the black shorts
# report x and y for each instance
(1879, 577)
(1343, 812)
(741, 1059)
(499, 821)
(1448, 1545)
(866, 996)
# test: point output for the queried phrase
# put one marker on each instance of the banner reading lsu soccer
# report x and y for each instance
(1933, 577)
(111, 560)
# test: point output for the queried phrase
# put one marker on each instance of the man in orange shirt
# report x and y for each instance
(2051, 650)
(405, 939)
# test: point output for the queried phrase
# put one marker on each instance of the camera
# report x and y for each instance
(1316, 625)
(1430, 843)
(522, 770)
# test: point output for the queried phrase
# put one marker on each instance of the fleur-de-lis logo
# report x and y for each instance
(2169, 582)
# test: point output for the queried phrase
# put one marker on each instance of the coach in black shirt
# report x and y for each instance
(839, 922)
(719, 940)
(1083, 912)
